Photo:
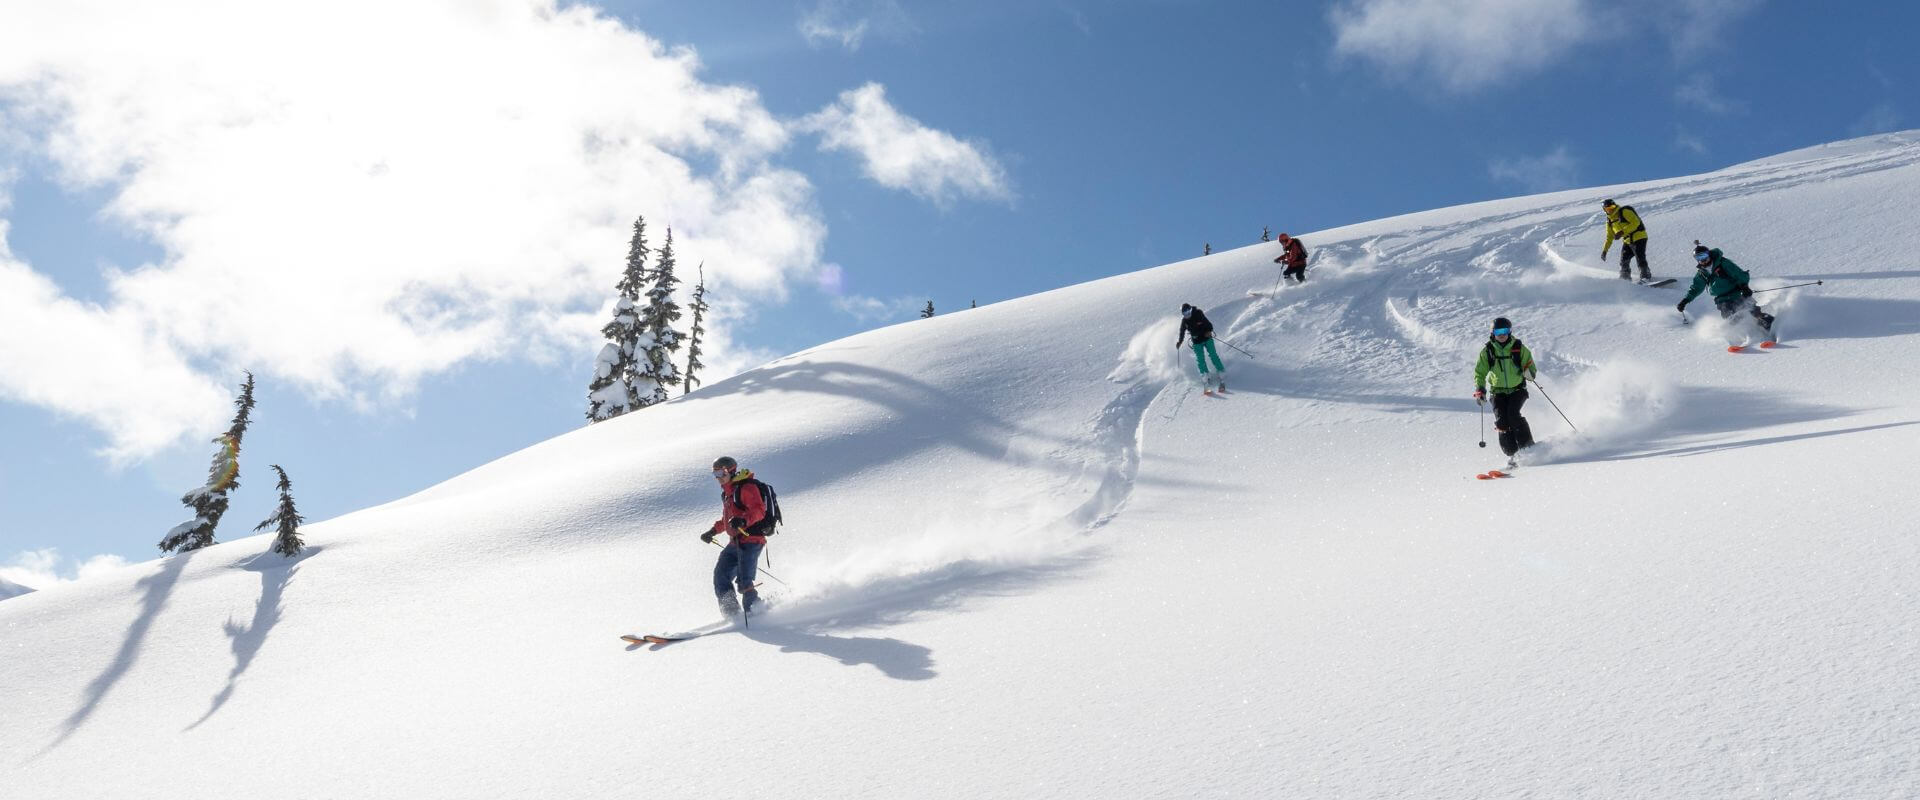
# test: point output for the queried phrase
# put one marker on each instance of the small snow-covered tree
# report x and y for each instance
(209, 502)
(928, 311)
(1266, 234)
(1206, 249)
(653, 369)
(699, 307)
(610, 393)
(973, 304)
(285, 520)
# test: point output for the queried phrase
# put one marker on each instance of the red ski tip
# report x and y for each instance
(1768, 345)
(1484, 476)
(1734, 348)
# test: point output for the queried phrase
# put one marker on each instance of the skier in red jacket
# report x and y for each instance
(743, 518)
(1295, 258)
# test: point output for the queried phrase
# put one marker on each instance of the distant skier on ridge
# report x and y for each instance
(1727, 282)
(1624, 223)
(1194, 321)
(1504, 366)
(745, 520)
(1295, 259)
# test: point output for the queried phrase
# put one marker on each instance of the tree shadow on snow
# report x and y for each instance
(275, 573)
(1718, 446)
(1701, 412)
(1826, 317)
(156, 588)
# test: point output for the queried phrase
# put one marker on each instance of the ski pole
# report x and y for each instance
(1556, 406)
(1234, 346)
(1795, 286)
(776, 578)
(1483, 422)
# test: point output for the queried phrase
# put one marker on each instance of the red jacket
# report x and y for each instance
(1296, 255)
(741, 500)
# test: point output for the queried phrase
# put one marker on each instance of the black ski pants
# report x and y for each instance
(1630, 251)
(1298, 273)
(1514, 431)
(1733, 303)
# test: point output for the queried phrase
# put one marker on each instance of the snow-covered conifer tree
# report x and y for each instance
(699, 307)
(1206, 249)
(1266, 234)
(285, 520)
(653, 369)
(610, 393)
(209, 502)
(928, 311)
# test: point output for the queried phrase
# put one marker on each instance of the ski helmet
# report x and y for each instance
(1185, 309)
(1284, 237)
(1608, 203)
(725, 462)
(1502, 324)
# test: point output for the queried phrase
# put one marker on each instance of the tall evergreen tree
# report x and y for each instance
(654, 371)
(285, 520)
(610, 393)
(693, 336)
(928, 311)
(209, 502)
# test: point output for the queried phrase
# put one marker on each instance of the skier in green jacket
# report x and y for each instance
(1727, 283)
(1504, 366)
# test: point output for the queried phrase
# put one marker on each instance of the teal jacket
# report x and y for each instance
(1508, 369)
(1719, 277)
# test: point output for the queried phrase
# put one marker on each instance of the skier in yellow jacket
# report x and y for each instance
(1624, 223)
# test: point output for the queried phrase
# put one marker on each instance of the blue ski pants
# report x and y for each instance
(739, 563)
(1204, 350)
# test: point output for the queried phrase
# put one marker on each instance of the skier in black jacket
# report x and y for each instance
(1194, 321)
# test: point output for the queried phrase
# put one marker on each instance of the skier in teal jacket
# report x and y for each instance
(1727, 283)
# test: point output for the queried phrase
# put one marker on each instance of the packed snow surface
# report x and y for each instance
(1026, 556)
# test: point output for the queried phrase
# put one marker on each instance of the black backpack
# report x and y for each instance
(1513, 354)
(768, 525)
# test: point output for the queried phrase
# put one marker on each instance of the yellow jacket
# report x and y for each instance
(1623, 223)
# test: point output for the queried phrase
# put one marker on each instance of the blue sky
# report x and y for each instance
(408, 224)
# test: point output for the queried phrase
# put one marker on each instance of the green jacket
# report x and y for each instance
(1510, 366)
(1719, 276)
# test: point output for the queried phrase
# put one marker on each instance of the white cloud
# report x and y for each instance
(847, 22)
(900, 153)
(1464, 44)
(1879, 119)
(39, 569)
(382, 194)
(1700, 91)
(1469, 44)
(868, 310)
(1555, 170)
(1684, 139)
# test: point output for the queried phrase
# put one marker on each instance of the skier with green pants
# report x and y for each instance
(1194, 321)
(1504, 366)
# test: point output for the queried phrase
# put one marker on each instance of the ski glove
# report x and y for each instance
(1480, 396)
(737, 523)
(1746, 291)
(1681, 307)
(708, 537)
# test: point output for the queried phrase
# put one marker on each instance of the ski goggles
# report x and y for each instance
(720, 473)
(1502, 331)
(1702, 257)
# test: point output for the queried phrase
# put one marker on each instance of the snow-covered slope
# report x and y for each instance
(10, 589)
(1027, 558)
